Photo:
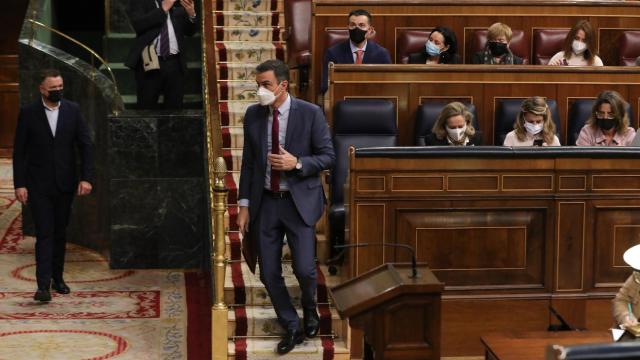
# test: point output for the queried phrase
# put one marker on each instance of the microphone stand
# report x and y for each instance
(414, 268)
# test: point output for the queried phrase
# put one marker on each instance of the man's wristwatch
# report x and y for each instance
(299, 165)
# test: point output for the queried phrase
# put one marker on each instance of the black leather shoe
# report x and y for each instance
(60, 287)
(289, 341)
(311, 322)
(42, 295)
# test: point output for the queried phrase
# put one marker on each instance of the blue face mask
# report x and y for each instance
(432, 49)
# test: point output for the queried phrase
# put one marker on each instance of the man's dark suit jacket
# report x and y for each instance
(307, 138)
(147, 19)
(46, 163)
(341, 54)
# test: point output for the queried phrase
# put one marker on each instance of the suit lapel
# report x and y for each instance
(60, 123)
(44, 120)
(262, 135)
(291, 123)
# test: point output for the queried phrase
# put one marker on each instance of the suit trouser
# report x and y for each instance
(169, 81)
(50, 215)
(277, 217)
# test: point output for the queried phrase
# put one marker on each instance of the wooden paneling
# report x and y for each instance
(9, 101)
(503, 254)
(484, 85)
(390, 18)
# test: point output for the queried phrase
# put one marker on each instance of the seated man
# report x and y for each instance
(359, 49)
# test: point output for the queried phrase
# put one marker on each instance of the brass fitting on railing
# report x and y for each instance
(220, 193)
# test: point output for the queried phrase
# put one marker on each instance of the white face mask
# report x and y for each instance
(578, 47)
(533, 128)
(266, 96)
(456, 134)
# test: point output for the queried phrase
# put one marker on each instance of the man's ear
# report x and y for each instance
(285, 84)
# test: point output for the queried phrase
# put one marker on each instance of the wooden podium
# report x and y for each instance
(399, 315)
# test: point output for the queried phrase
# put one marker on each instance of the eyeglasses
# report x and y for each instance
(605, 115)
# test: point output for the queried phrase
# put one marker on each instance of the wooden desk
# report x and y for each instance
(532, 345)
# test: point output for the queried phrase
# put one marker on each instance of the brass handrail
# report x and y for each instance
(85, 47)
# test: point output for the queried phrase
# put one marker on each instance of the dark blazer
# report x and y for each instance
(445, 58)
(308, 139)
(341, 54)
(46, 163)
(432, 140)
(478, 58)
(147, 19)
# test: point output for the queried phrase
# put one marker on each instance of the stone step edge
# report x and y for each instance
(339, 348)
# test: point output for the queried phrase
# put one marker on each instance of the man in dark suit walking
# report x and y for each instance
(44, 174)
(359, 49)
(163, 25)
(286, 145)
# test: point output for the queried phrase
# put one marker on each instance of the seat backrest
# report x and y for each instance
(334, 36)
(629, 47)
(359, 123)
(409, 42)
(579, 113)
(519, 45)
(506, 112)
(298, 20)
(427, 115)
(546, 43)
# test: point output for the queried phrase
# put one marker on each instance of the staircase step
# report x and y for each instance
(236, 71)
(232, 137)
(262, 321)
(263, 349)
(117, 45)
(249, 18)
(255, 292)
(250, 5)
(249, 52)
(232, 112)
(237, 90)
(244, 33)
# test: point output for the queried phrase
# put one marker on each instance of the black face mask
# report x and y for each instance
(498, 48)
(55, 96)
(606, 124)
(357, 35)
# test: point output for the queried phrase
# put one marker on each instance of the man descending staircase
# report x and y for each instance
(246, 34)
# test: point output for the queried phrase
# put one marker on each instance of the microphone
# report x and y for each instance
(414, 268)
(564, 326)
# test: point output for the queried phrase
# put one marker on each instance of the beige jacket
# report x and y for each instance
(629, 293)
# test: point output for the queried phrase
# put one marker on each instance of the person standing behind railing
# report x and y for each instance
(161, 27)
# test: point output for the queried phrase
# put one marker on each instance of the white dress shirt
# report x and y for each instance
(52, 116)
(354, 50)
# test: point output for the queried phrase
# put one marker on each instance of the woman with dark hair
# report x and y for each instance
(579, 47)
(608, 124)
(441, 48)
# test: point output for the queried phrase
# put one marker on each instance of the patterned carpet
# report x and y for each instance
(110, 314)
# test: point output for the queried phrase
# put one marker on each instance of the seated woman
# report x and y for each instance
(497, 49)
(608, 124)
(580, 45)
(626, 304)
(534, 125)
(453, 127)
(441, 48)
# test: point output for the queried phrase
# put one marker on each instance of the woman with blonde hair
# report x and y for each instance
(533, 126)
(608, 124)
(454, 127)
(579, 47)
(497, 49)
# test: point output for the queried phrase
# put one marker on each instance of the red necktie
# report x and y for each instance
(359, 56)
(275, 149)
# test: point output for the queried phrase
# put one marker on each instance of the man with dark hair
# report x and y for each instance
(359, 49)
(44, 176)
(161, 27)
(287, 144)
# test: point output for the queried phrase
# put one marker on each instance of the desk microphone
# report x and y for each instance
(564, 326)
(414, 269)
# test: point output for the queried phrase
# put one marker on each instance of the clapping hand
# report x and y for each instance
(167, 4)
(283, 161)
